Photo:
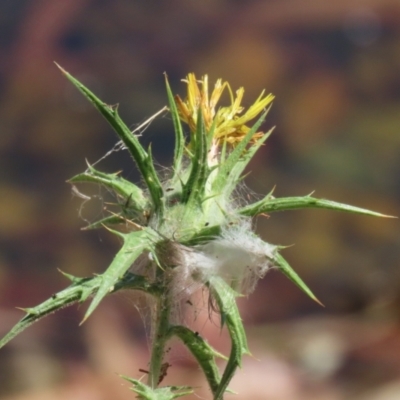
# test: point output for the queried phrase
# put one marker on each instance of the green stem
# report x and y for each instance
(161, 335)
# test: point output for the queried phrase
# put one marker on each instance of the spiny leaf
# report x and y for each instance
(202, 351)
(239, 167)
(134, 245)
(202, 236)
(225, 297)
(270, 204)
(210, 134)
(124, 188)
(287, 270)
(225, 170)
(79, 291)
(195, 185)
(72, 278)
(164, 393)
(179, 138)
(138, 153)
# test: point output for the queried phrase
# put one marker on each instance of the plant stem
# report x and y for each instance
(161, 334)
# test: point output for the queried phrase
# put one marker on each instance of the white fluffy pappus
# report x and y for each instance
(237, 255)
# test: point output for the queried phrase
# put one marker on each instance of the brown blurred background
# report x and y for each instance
(335, 70)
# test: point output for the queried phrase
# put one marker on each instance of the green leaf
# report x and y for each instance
(134, 245)
(136, 282)
(138, 153)
(210, 134)
(288, 271)
(270, 204)
(202, 352)
(164, 393)
(242, 163)
(78, 291)
(194, 188)
(123, 187)
(179, 138)
(226, 169)
(225, 297)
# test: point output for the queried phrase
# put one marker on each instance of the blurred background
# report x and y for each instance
(335, 70)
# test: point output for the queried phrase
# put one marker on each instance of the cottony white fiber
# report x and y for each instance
(237, 255)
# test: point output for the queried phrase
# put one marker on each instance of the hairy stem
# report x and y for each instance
(161, 334)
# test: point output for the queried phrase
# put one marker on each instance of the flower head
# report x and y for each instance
(228, 123)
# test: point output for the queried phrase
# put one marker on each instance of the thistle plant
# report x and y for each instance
(187, 232)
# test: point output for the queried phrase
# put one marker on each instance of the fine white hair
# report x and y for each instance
(237, 255)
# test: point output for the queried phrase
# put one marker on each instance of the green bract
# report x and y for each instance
(186, 232)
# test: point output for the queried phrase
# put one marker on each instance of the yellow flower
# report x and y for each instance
(229, 125)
